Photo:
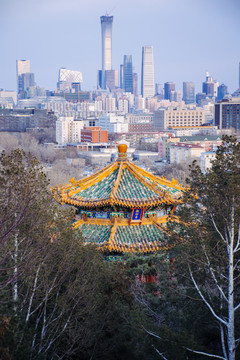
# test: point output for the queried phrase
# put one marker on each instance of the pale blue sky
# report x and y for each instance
(188, 38)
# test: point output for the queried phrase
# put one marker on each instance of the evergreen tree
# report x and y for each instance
(212, 243)
(59, 299)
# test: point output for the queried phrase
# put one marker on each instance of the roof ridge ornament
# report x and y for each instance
(122, 152)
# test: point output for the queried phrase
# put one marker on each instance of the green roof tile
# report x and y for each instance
(139, 235)
(99, 190)
(95, 234)
(132, 189)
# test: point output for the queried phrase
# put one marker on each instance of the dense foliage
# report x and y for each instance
(58, 298)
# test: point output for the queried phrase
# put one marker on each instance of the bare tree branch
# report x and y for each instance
(205, 301)
(206, 354)
(214, 277)
(216, 228)
(161, 354)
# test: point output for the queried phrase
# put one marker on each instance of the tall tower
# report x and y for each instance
(210, 86)
(188, 92)
(25, 78)
(222, 91)
(168, 87)
(121, 76)
(23, 67)
(127, 74)
(106, 25)
(135, 84)
(147, 80)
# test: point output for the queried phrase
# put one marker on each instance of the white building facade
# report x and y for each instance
(68, 130)
(147, 83)
(113, 123)
(206, 160)
(184, 153)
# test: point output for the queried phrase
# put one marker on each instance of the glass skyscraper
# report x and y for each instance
(106, 26)
(222, 91)
(168, 87)
(127, 74)
(188, 92)
(147, 78)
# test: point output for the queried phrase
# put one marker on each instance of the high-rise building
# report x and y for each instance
(227, 114)
(176, 96)
(68, 130)
(147, 80)
(140, 103)
(135, 84)
(222, 91)
(121, 76)
(25, 78)
(158, 89)
(200, 97)
(188, 92)
(106, 26)
(69, 80)
(111, 79)
(209, 86)
(99, 79)
(127, 74)
(110, 104)
(23, 67)
(168, 87)
(123, 106)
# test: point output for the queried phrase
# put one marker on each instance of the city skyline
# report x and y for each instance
(55, 34)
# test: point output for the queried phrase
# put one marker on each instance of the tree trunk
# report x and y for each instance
(15, 273)
(230, 327)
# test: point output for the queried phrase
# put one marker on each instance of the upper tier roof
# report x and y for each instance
(120, 183)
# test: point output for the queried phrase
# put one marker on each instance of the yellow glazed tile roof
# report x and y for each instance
(120, 183)
(120, 238)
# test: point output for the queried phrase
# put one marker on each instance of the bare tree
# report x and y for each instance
(212, 214)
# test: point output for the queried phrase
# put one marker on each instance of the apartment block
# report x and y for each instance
(68, 130)
(206, 142)
(172, 117)
(206, 160)
(20, 120)
(140, 123)
(227, 113)
(184, 153)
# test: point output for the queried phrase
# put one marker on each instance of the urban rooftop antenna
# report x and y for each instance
(111, 11)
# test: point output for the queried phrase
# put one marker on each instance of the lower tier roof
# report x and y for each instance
(126, 238)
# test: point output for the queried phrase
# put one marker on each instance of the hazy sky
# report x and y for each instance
(189, 37)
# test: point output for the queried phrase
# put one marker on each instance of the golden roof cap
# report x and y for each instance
(122, 152)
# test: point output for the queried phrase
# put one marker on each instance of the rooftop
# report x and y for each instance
(119, 237)
(120, 183)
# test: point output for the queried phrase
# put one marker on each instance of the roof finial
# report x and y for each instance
(122, 152)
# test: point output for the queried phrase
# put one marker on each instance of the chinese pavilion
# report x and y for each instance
(123, 208)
